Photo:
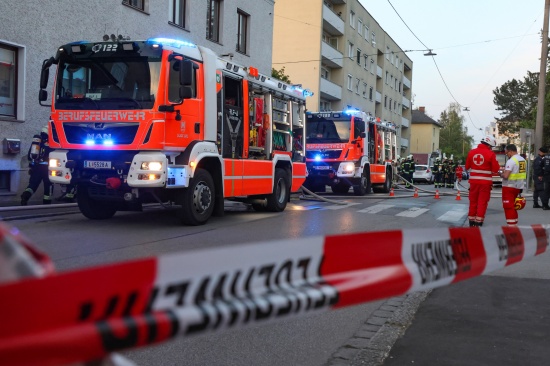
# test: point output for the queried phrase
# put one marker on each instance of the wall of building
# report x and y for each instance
(37, 29)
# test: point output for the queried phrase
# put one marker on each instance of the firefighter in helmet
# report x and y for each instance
(438, 173)
(407, 169)
(38, 156)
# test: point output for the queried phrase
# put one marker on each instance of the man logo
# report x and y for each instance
(98, 136)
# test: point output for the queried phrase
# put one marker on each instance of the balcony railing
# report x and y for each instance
(332, 23)
(405, 122)
(406, 82)
(331, 56)
(330, 90)
(404, 142)
(406, 103)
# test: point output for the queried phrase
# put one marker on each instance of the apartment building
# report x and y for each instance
(337, 49)
(31, 32)
(425, 131)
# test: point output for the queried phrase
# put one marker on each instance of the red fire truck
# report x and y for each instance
(164, 120)
(349, 149)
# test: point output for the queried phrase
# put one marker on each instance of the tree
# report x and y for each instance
(280, 74)
(517, 102)
(453, 138)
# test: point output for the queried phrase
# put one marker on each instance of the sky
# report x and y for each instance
(480, 45)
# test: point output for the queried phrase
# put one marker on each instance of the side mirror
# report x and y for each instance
(363, 135)
(186, 92)
(44, 76)
(42, 95)
(187, 71)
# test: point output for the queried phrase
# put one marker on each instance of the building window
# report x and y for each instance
(373, 39)
(372, 68)
(365, 90)
(359, 26)
(178, 10)
(366, 32)
(387, 77)
(387, 53)
(390, 104)
(5, 179)
(350, 50)
(242, 31)
(325, 106)
(325, 74)
(8, 80)
(366, 65)
(213, 16)
(352, 19)
(358, 56)
(357, 82)
(138, 4)
(385, 101)
(370, 93)
(350, 82)
(395, 105)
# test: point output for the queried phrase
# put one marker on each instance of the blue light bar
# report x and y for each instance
(318, 157)
(90, 142)
(351, 111)
(108, 142)
(172, 42)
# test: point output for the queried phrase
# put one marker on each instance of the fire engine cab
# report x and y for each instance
(164, 120)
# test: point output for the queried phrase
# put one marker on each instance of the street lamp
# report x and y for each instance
(430, 53)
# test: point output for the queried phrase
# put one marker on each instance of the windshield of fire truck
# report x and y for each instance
(323, 130)
(107, 83)
(501, 158)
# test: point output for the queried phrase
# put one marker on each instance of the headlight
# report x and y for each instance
(348, 167)
(151, 165)
(55, 163)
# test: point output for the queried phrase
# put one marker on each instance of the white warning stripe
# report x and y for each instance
(413, 212)
(452, 215)
(339, 207)
(376, 208)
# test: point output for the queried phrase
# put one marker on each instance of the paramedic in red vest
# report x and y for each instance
(482, 163)
(513, 182)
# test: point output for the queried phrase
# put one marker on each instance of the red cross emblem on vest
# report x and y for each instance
(478, 159)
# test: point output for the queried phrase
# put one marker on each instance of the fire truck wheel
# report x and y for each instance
(93, 209)
(197, 200)
(276, 202)
(387, 184)
(364, 185)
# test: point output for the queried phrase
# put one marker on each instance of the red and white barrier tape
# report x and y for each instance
(86, 314)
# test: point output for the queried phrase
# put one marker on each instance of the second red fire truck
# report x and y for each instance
(349, 149)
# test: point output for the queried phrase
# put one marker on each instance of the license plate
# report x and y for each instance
(321, 167)
(94, 164)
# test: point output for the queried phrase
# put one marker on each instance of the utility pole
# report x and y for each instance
(542, 78)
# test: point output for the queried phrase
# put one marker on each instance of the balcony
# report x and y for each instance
(331, 56)
(378, 97)
(405, 123)
(332, 23)
(330, 91)
(404, 143)
(338, 2)
(378, 72)
(406, 83)
(406, 103)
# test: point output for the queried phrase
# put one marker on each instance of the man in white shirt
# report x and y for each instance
(513, 182)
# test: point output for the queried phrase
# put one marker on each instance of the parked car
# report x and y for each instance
(423, 173)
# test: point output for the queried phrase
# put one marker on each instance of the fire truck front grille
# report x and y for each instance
(329, 154)
(117, 133)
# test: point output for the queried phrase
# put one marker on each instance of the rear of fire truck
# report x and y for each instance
(348, 149)
(166, 121)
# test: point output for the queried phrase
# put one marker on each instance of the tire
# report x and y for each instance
(340, 188)
(364, 185)
(387, 184)
(94, 209)
(276, 202)
(197, 200)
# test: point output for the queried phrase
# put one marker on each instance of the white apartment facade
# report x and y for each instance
(31, 32)
(337, 49)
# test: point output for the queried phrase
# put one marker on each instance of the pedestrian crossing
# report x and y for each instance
(452, 214)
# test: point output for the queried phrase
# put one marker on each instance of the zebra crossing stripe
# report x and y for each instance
(339, 207)
(413, 212)
(452, 215)
(376, 208)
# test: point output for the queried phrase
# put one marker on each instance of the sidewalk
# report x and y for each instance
(498, 319)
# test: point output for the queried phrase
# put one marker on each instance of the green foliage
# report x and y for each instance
(453, 137)
(280, 74)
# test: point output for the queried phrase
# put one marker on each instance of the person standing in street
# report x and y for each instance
(438, 173)
(538, 179)
(38, 155)
(482, 163)
(514, 178)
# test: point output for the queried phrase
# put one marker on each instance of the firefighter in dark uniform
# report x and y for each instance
(38, 163)
(408, 170)
(538, 178)
(446, 171)
(438, 173)
(450, 181)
